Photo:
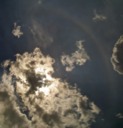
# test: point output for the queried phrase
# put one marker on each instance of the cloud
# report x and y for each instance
(117, 56)
(9, 117)
(79, 57)
(41, 99)
(17, 31)
(40, 35)
(98, 17)
(119, 115)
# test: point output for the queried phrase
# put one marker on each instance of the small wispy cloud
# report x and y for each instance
(39, 35)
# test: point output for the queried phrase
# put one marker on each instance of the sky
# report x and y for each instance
(94, 64)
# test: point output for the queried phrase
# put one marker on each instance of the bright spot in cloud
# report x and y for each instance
(45, 90)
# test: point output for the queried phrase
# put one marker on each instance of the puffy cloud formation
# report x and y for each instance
(17, 31)
(42, 100)
(98, 17)
(79, 57)
(117, 56)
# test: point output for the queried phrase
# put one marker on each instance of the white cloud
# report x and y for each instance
(41, 99)
(117, 56)
(17, 31)
(79, 57)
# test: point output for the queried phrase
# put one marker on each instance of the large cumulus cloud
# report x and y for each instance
(42, 100)
(117, 56)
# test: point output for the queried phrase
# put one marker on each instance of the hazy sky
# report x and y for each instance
(55, 26)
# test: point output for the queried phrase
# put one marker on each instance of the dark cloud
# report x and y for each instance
(9, 116)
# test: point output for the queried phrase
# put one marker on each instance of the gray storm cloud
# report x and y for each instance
(40, 100)
(117, 56)
(79, 57)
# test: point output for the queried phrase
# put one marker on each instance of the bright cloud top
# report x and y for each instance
(44, 101)
(79, 57)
